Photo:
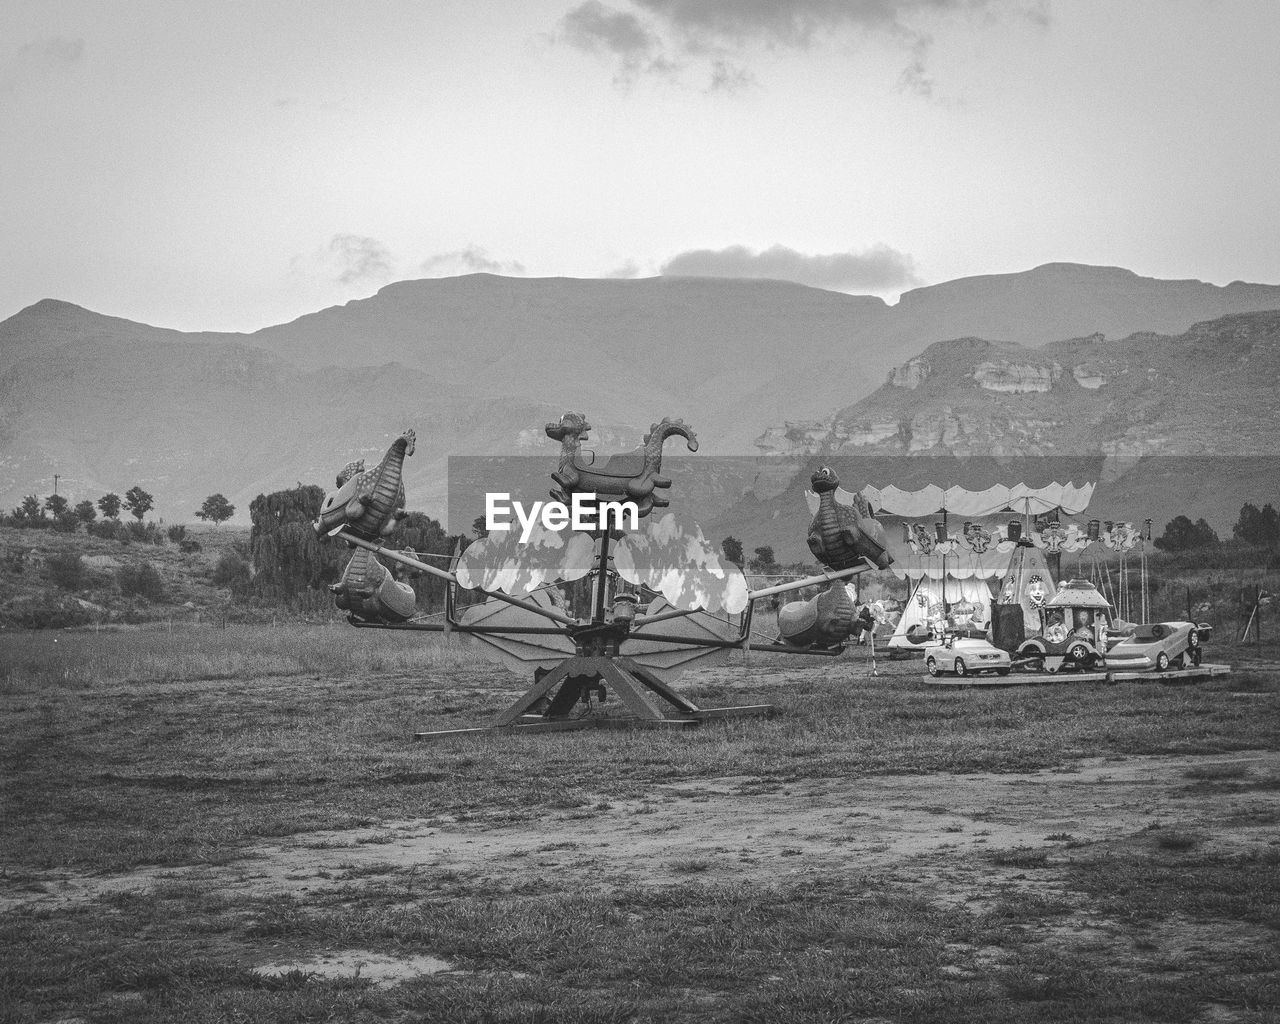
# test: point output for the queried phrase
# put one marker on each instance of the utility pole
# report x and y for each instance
(55, 483)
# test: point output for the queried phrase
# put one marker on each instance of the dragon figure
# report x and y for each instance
(822, 621)
(628, 476)
(841, 535)
(369, 503)
(370, 591)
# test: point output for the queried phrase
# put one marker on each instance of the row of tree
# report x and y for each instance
(56, 510)
(1257, 526)
(763, 561)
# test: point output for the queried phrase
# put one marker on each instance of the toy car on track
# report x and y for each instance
(965, 654)
(1160, 646)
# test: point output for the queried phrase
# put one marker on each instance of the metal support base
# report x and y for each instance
(582, 677)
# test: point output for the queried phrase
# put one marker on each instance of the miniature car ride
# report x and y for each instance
(1160, 646)
(965, 654)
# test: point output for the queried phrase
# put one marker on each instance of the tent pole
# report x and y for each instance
(945, 609)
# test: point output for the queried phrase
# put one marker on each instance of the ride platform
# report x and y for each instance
(1194, 674)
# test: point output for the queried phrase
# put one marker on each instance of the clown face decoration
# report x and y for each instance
(1037, 592)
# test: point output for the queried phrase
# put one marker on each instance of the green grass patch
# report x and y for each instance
(1171, 882)
(820, 950)
(140, 748)
(151, 747)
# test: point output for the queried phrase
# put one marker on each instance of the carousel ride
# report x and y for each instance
(660, 598)
(985, 597)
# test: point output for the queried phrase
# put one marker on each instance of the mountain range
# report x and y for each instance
(478, 364)
(1165, 425)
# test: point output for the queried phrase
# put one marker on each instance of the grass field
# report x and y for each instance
(234, 825)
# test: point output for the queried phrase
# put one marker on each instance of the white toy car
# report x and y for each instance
(1160, 646)
(965, 655)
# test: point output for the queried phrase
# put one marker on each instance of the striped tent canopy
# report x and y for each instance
(1070, 497)
(977, 541)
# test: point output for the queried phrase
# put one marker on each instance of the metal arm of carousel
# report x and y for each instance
(396, 556)
(809, 581)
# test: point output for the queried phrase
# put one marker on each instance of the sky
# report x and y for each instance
(231, 165)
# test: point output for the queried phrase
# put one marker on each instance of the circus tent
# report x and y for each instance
(970, 598)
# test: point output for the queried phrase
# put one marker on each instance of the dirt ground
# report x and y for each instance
(939, 835)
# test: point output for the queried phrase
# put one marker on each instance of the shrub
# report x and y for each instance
(189, 546)
(232, 571)
(141, 580)
(144, 533)
(44, 611)
(66, 522)
(177, 533)
(66, 569)
(107, 529)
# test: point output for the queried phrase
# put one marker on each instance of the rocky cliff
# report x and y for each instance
(1214, 389)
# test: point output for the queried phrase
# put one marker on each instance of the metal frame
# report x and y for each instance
(598, 661)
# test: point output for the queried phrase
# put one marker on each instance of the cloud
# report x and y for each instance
(669, 35)
(878, 268)
(360, 258)
(39, 59)
(471, 260)
(730, 77)
(798, 23)
(595, 28)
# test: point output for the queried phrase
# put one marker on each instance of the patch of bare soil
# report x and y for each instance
(959, 839)
(358, 964)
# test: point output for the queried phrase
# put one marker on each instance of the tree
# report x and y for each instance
(29, 512)
(732, 548)
(86, 512)
(217, 509)
(109, 505)
(764, 561)
(287, 557)
(478, 527)
(56, 504)
(1257, 526)
(1181, 534)
(424, 535)
(138, 501)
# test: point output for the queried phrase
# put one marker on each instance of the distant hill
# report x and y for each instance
(1070, 300)
(1214, 389)
(478, 364)
(1170, 425)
